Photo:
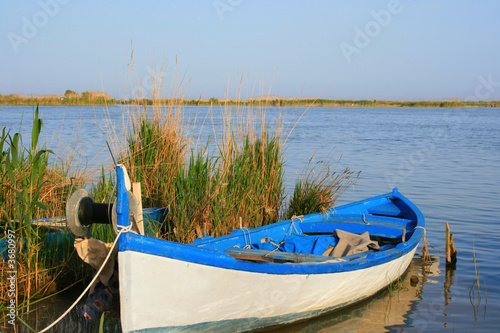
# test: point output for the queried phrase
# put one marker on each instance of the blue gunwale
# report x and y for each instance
(402, 214)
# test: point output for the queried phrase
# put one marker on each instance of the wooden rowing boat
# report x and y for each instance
(272, 275)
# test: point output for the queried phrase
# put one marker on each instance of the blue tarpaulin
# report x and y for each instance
(300, 244)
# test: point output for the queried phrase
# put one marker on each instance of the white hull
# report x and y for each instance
(165, 294)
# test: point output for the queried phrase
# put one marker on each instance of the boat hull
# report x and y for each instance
(161, 294)
(232, 284)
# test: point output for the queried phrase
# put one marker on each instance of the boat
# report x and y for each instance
(271, 275)
(57, 237)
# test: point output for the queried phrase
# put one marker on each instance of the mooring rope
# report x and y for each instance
(121, 230)
(425, 240)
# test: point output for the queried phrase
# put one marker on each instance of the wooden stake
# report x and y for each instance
(425, 252)
(451, 252)
(448, 253)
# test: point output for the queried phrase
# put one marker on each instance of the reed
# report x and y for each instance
(234, 179)
(204, 189)
(213, 191)
(475, 289)
(23, 170)
(239, 183)
(208, 190)
(32, 188)
(319, 186)
(396, 286)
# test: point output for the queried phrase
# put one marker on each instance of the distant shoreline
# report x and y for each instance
(54, 100)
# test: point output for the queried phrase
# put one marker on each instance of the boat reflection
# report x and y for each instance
(389, 308)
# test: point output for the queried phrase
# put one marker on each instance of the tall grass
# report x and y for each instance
(240, 182)
(208, 190)
(23, 170)
(156, 151)
(235, 178)
(319, 186)
(31, 188)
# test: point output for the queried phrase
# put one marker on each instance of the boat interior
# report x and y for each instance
(329, 240)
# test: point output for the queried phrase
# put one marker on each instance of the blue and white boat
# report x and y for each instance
(272, 275)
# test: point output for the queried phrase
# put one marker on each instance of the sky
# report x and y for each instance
(383, 50)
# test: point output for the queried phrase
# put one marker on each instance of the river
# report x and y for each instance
(446, 160)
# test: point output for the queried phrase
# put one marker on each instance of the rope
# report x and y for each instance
(423, 228)
(425, 240)
(293, 224)
(247, 245)
(277, 247)
(122, 230)
(364, 219)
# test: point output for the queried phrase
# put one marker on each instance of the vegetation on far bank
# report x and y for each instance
(86, 98)
(310, 102)
(90, 98)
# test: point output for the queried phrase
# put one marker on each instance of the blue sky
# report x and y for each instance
(403, 50)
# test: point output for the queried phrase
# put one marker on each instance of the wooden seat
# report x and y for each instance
(273, 256)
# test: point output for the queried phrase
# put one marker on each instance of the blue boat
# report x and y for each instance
(272, 275)
(58, 238)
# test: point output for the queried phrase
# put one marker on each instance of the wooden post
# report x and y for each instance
(448, 254)
(451, 252)
(137, 211)
(425, 252)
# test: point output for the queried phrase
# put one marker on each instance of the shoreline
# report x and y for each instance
(32, 101)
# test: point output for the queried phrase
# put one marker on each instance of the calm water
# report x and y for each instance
(447, 161)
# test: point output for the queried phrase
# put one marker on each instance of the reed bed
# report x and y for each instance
(239, 184)
(317, 102)
(87, 98)
(32, 188)
(232, 179)
(207, 190)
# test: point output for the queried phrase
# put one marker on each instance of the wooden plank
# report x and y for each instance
(255, 257)
(290, 257)
(273, 256)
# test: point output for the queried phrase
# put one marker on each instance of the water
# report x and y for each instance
(447, 161)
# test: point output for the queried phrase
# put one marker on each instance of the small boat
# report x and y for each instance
(272, 275)
(57, 237)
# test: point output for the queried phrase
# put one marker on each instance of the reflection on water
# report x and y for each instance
(478, 297)
(386, 311)
(44, 313)
(448, 282)
(445, 160)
